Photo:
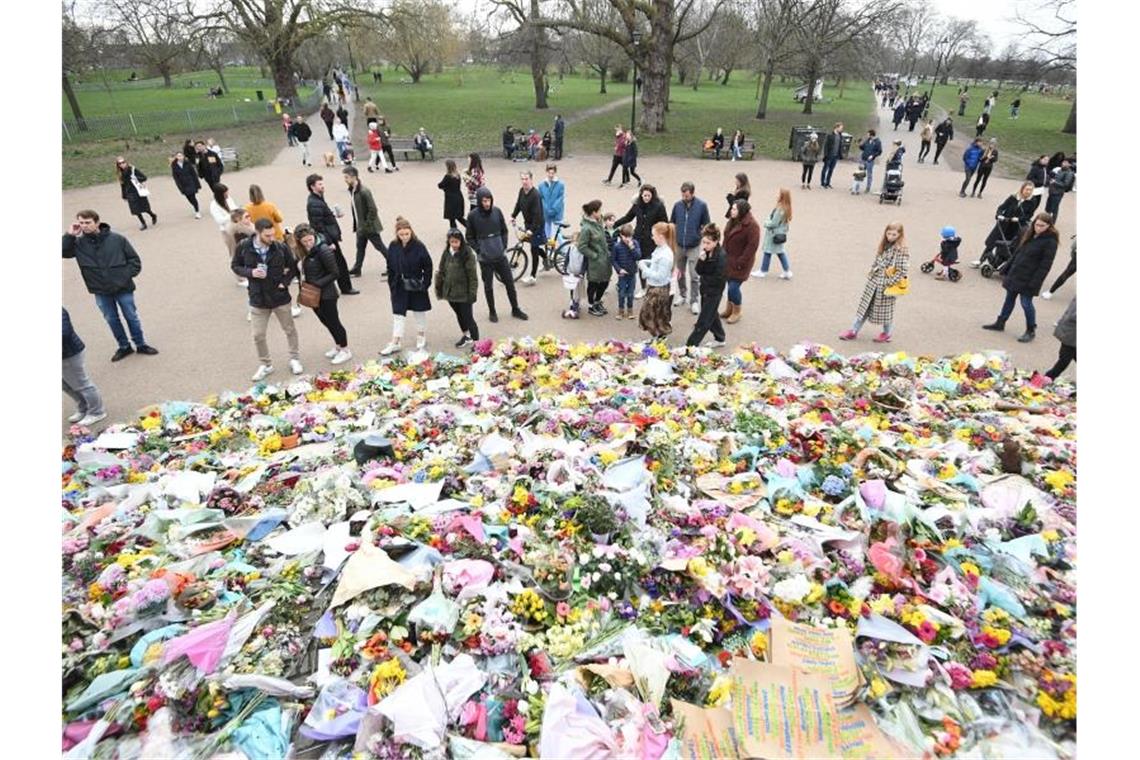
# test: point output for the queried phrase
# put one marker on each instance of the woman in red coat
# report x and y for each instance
(741, 239)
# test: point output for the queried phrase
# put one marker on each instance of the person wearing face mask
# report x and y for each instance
(1026, 275)
(409, 277)
(269, 266)
(890, 268)
(529, 204)
(457, 282)
(711, 265)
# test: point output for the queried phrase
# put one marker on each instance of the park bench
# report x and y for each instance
(230, 157)
(407, 146)
(748, 150)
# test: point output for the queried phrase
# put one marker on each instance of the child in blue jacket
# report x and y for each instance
(625, 253)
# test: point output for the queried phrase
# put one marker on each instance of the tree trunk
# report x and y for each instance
(697, 78)
(603, 73)
(74, 103)
(283, 67)
(654, 93)
(1071, 122)
(261, 71)
(538, 58)
(165, 71)
(809, 98)
(762, 109)
(842, 85)
(416, 73)
(724, 81)
(219, 69)
(682, 75)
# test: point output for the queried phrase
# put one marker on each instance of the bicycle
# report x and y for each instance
(517, 256)
(558, 253)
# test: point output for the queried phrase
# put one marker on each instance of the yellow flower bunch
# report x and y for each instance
(386, 677)
(1059, 480)
(607, 457)
(970, 569)
(882, 604)
(1001, 635)
(879, 687)
(698, 567)
(983, 679)
(720, 692)
(529, 605)
(1064, 708)
(996, 616)
(948, 471)
(787, 507)
(269, 444)
(811, 509)
(815, 594)
(759, 644)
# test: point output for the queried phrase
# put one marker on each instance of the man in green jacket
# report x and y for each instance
(365, 220)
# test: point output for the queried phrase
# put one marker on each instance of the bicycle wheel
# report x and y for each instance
(519, 262)
(562, 258)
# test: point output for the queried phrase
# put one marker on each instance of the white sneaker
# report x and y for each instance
(77, 417)
(421, 342)
(528, 280)
(759, 275)
(91, 419)
(639, 294)
(390, 349)
(332, 352)
(249, 316)
(197, 215)
(714, 343)
(295, 311)
(975, 263)
(242, 282)
(342, 356)
(295, 367)
(1047, 295)
(678, 301)
(786, 275)
(262, 372)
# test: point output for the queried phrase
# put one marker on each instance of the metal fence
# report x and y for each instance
(192, 120)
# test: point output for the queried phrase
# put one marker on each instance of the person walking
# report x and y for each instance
(899, 115)
(741, 239)
(452, 188)
(1027, 273)
(365, 218)
(963, 98)
(473, 180)
(457, 282)
(913, 112)
(890, 269)
(318, 268)
(776, 236)
(302, 132)
(221, 206)
(985, 167)
(259, 208)
(559, 133)
(1069, 271)
(943, 134)
(741, 191)
(238, 228)
(1060, 183)
(375, 147)
(832, 148)
(629, 159)
(324, 220)
(809, 155)
(1066, 333)
(328, 116)
(618, 157)
(1039, 175)
(371, 110)
(925, 137)
(386, 146)
(529, 204)
(970, 160)
(871, 147)
(269, 266)
(552, 190)
(1015, 108)
(287, 125)
(983, 122)
(133, 189)
(711, 264)
(647, 210)
(342, 114)
(1013, 212)
(409, 277)
(343, 139)
(186, 180)
(210, 167)
(689, 216)
(656, 312)
(109, 265)
(76, 384)
(487, 234)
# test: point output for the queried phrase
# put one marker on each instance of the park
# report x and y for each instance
(540, 529)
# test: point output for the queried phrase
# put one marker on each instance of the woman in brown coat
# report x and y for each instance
(890, 267)
(741, 239)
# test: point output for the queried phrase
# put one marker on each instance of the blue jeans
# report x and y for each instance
(625, 291)
(733, 291)
(858, 323)
(111, 306)
(828, 169)
(870, 167)
(766, 259)
(1026, 306)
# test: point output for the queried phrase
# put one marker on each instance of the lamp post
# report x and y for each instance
(938, 65)
(635, 38)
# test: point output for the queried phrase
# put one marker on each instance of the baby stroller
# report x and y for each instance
(947, 256)
(997, 262)
(892, 187)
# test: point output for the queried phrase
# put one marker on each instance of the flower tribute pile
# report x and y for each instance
(549, 547)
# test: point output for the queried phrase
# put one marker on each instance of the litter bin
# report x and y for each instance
(845, 148)
(799, 138)
(261, 95)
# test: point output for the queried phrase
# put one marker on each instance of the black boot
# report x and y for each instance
(997, 326)
(1027, 336)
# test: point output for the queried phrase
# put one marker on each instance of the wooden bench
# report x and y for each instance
(230, 157)
(407, 146)
(748, 150)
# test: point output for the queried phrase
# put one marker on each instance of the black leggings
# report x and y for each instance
(456, 222)
(1070, 270)
(465, 316)
(330, 318)
(631, 171)
(708, 320)
(388, 153)
(502, 268)
(965, 182)
(595, 291)
(938, 152)
(614, 166)
(193, 198)
(924, 150)
(983, 176)
(1065, 356)
(805, 175)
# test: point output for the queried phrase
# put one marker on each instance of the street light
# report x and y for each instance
(635, 38)
(934, 82)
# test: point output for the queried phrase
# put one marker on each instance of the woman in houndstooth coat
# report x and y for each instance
(891, 265)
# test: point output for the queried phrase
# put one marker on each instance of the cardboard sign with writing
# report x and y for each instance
(862, 739)
(828, 652)
(781, 714)
(707, 732)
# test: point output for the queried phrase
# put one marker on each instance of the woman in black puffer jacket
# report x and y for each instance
(318, 267)
(1027, 274)
(648, 210)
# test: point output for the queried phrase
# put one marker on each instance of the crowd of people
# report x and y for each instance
(528, 145)
(667, 259)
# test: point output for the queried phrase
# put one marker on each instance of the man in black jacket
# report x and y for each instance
(832, 149)
(109, 265)
(365, 219)
(323, 220)
(303, 132)
(529, 203)
(487, 234)
(943, 134)
(269, 266)
(210, 167)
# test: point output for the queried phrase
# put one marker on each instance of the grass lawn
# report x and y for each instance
(695, 115)
(1037, 130)
(186, 91)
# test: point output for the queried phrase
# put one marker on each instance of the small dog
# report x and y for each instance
(330, 160)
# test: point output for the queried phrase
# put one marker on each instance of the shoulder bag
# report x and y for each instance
(900, 288)
(310, 294)
(140, 187)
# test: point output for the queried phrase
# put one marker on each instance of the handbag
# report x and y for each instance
(900, 288)
(140, 187)
(779, 238)
(310, 295)
(413, 284)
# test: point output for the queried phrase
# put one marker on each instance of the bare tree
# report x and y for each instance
(77, 55)
(777, 48)
(600, 54)
(917, 23)
(1051, 29)
(734, 43)
(696, 51)
(421, 36)
(154, 28)
(533, 36)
